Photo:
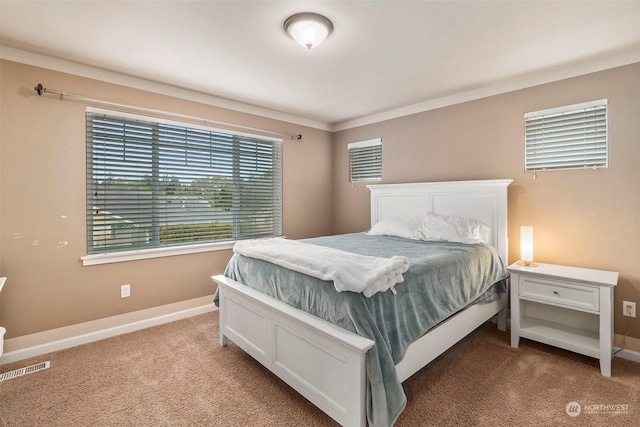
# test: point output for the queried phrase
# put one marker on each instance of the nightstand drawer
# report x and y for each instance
(560, 293)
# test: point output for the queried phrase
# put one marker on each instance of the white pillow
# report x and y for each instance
(397, 226)
(453, 229)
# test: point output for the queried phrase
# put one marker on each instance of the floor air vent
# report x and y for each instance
(24, 371)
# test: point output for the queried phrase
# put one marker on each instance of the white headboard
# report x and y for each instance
(483, 200)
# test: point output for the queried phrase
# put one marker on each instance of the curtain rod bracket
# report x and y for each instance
(298, 136)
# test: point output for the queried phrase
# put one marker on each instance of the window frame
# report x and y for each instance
(366, 152)
(181, 248)
(595, 152)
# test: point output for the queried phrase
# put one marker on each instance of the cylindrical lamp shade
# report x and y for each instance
(526, 243)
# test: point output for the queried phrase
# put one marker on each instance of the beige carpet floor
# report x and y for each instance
(177, 375)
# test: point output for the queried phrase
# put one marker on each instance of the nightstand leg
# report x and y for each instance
(606, 330)
(502, 320)
(515, 339)
(515, 310)
(605, 366)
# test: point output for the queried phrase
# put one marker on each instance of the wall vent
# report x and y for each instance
(24, 371)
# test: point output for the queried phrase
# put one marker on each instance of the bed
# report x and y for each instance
(325, 362)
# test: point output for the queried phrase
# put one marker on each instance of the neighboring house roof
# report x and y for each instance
(171, 210)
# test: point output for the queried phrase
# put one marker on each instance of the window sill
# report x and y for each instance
(154, 253)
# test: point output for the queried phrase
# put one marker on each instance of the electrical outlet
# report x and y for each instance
(629, 308)
(125, 291)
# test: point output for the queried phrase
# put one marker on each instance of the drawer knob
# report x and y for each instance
(556, 293)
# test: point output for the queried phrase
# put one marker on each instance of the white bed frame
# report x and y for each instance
(325, 363)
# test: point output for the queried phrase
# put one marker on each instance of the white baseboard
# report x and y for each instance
(626, 347)
(622, 353)
(32, 345)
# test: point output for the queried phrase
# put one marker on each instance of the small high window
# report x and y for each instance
(570, 137)
(365, 160)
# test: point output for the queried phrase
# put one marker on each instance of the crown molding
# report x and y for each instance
(63, 66)
(619, 59)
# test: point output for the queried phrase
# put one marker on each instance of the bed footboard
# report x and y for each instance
(321, 361)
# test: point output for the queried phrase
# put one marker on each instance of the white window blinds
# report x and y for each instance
(154, 183)
(365, 160)
(568, 137)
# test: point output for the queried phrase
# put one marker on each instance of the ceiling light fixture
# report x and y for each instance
(308, 29)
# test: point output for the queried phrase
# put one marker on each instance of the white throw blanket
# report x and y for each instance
(348, 271)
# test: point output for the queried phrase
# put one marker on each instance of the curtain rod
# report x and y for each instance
(40, 90)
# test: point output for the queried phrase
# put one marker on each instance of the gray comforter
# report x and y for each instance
(442, 279)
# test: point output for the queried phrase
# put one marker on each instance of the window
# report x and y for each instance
(568, 137)
(155, 184)
(365, 160)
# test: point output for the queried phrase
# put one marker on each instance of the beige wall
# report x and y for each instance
(583, 218)
(42, 189)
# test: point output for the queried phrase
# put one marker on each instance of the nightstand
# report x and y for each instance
(567, 307)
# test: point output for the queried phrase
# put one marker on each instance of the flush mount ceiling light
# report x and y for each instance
(308, 29)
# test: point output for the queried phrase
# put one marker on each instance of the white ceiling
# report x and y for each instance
(384, 58)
